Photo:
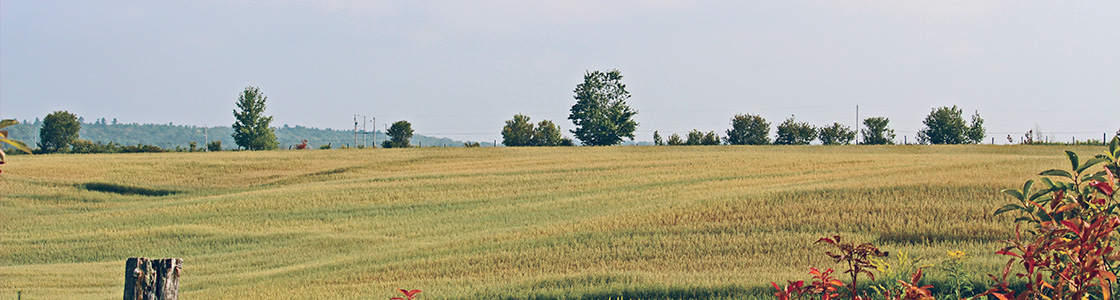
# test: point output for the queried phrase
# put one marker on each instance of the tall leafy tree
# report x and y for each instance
(399, 134)
(675, 140)
(876, 132)
(748, 130)
(657, 138)
(791, 132)
(601, 115)
(251, 129)
(59, 130)
(518, 132)
(836, 134)
(945, 125)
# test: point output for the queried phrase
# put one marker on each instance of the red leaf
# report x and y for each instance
(1104, 187)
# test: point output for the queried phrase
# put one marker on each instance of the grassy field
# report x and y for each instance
(467, 223)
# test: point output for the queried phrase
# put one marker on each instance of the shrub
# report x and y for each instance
(1068, 253)
(214, 146)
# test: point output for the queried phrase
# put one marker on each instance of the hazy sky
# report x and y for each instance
(461, 68)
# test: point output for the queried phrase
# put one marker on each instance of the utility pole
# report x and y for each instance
(375, 132)
(857, 124)
(355, 130)
(364, 130)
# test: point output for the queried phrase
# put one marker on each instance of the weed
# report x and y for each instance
(857, 257)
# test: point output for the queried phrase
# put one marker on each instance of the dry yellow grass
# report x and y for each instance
(648, 222)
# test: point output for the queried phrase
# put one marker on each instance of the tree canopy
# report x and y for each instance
(792, 132)
(836, 134)
(945, 125)
(518, 132)
(876, 132)
(748, 130)
(251, 129)
(399, 134)
(59, 130)
(601, 115)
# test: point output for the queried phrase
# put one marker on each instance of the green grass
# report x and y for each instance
(506, 223)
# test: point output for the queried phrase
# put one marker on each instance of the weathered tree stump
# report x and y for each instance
(152, 279)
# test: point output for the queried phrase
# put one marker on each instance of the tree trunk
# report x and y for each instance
(152, 279)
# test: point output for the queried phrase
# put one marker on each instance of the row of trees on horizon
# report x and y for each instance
(600, 115)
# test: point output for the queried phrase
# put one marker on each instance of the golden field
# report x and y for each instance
(509, 223)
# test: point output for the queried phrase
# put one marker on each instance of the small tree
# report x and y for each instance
(675, 140)
(976, 132)
(214, 146)
(518, 132)
(792, 132)
(710, 139)
(876, 132)
(657, 138)
(945, 125)
(837, 134)
(748, 130)
(601, 115)
(399, 134)
(59, 130)
(251, 130)
(695, 137)
(547, 134)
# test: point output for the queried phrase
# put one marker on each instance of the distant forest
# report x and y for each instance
(169, 136)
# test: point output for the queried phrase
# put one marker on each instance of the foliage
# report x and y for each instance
(547, 134)
(894, 274)
(910, 290)
(518, 132)
(824, 287)
(876, 132)
(251, 129)
(857, 259)
(697, 138)
(675, 140)
(59, 129)
(214, 146)
(601, 115)
(657, 139)
(1068, 253)
(326, 146)
(945, 125)
(302, 146)
(959, 277)
(472, 145)
(975, 132)
(399, 134)
(408, 295)
(836, 134)
(748, 130)
(792, 132)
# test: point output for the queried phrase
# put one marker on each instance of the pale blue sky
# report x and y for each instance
(461, 68)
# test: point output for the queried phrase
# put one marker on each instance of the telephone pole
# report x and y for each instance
(857, 124)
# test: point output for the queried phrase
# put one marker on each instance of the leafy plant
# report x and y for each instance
(893, 274)
(953, 266)
(302, 146)
(910, 290)
(824, 287)
(1068, 254)
(409, 295)
(857, 258)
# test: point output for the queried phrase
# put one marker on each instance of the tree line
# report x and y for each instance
(600, 115)
(602, 118)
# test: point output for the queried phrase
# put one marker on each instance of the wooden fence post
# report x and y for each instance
(152, 279)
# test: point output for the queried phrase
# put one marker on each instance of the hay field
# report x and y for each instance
(468, 223)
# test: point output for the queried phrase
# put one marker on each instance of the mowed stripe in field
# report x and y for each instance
(528, 222)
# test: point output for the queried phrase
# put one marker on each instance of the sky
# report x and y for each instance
(460, 68)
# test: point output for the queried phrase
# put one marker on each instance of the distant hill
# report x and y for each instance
(169, 136)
